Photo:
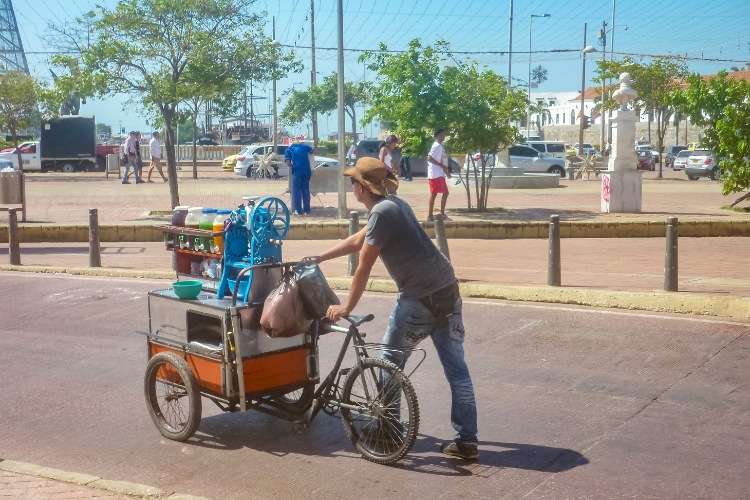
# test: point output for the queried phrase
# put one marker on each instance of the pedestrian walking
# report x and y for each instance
(404, 166)
(138, 158)
(428, 304)
(387, 155)
(154, 150)
(129, 152)
(297, 158)
(437, 172)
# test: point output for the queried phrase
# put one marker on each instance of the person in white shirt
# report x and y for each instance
(437, 172)
(129, 151)
(154, 148)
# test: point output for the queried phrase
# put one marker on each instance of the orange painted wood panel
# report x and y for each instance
(207, 373)
(276, 370)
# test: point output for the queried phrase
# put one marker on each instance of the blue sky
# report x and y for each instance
(716, 34)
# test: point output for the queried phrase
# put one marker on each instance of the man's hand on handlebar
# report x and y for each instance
(336, 312)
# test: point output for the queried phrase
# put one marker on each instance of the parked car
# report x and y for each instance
(366, 148)
(526, 157)
(646, 160)
(6, 164)
(351, 155)
(587, 149)
(649, 147)
(701, 163)
(555, 149)
(680, 161)
(671, 154)
(245, 161)
(230, 161)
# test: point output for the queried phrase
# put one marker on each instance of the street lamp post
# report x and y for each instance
(587, 49)
(528, 114)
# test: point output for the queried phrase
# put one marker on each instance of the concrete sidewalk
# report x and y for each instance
(29, 481)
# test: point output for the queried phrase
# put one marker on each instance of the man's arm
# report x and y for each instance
(367, 258)
(350, 245)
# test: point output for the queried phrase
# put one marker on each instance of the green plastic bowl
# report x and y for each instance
(188, 289)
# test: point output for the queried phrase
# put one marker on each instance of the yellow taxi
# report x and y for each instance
(230, 161)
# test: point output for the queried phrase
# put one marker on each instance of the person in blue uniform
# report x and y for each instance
(297, 158)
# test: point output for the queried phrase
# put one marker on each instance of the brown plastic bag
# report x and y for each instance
(283, 311)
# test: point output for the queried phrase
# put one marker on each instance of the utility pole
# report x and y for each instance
(275, 104)
(312, 72)
(342, 212)
(603, 99)
(583, 90)
(510, 43)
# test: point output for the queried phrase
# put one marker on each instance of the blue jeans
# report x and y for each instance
(131, 163)
(411, 322)
(301, 191)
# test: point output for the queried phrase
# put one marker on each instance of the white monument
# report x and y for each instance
(622, 183)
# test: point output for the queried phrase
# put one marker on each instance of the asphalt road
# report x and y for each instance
(573, 402)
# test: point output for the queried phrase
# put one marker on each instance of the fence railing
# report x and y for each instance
(185, 152)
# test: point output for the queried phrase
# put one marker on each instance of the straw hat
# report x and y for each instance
(374, 175)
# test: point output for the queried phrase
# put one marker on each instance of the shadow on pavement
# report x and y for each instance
(326, 438)
(75, 250)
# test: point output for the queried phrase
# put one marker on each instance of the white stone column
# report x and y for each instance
(622, 184)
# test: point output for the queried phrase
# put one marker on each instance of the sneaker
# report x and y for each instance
(466, 451)
(125, 182)
(296, 213)
(140, 181)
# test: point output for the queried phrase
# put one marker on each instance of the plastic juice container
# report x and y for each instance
(206, 223)
(192, 219)
(178, 215)
(221, 216)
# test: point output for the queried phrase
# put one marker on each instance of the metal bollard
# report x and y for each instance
(353, 229)
(95, 257)
(670, 257)
(553, 260)
(13, 243)
(442, 240)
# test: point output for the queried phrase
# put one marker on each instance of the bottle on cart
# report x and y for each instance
(192, 219)
(218, 226)
(206, 223)
(179, 214)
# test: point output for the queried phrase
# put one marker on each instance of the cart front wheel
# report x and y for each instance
(172, 396)
(385, 423)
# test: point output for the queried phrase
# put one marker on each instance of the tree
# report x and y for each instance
(323, 98)
(103, 128)
(152, 49)
(721, 105)
(417, 91)
(18, 111)
(654, 83)
(539, 74)
(541, 111)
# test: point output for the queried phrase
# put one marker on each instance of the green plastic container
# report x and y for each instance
(188, 289)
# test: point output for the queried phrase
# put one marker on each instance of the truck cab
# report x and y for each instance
(29, 156)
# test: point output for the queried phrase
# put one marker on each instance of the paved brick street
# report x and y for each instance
(29, 487)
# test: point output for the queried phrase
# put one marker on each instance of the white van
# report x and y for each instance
(554, 149)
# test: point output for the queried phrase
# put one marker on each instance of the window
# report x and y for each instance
(557, 118)
(563, 118)
(555, 148)
(524, 151)
(538, 147)
(551, 102)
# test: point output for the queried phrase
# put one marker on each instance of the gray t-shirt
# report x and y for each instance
(411, 258)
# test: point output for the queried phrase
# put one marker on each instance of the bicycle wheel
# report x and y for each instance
(297, 399)
(384, 426)
(172, 396)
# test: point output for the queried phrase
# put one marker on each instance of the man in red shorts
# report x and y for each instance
(437, 173)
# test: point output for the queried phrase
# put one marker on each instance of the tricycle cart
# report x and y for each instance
(214, 347)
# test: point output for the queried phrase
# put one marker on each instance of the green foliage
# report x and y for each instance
(655, 83)
(418, 92)
(323, 98)
(721, 105)
(163, 52)
(18, 105)
(103, 128)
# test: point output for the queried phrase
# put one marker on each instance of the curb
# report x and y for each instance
(94, 482)
(664, 302)
(147, 232)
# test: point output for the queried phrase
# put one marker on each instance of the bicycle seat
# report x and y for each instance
(356, 321)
